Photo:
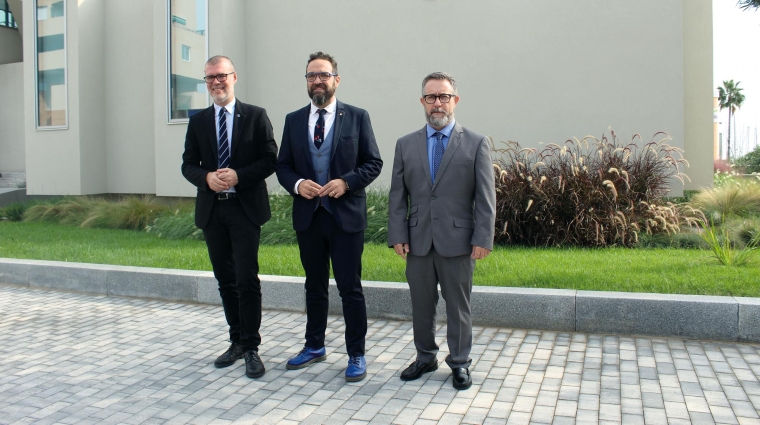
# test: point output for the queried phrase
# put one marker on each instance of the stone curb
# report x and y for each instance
(687, 316)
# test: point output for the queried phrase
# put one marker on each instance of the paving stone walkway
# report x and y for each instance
(85, 359)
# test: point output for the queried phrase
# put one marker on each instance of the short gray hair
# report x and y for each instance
(440, 76)
(213, 60)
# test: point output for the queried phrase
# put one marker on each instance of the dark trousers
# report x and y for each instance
(233, 247)
(322, 243)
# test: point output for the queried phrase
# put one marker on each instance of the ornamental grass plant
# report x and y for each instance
(588, 192)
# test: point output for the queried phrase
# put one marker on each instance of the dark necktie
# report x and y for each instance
(319, 129)
(437, 153)
(224, 147)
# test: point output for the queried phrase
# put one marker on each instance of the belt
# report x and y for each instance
(223, 196)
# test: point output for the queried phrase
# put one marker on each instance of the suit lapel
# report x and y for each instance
(237, 126)
(301, 137)
(210, 123)
(451, 148)
(337, 126)
(422, 149)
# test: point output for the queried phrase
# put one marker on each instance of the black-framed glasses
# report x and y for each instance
(324, 76)
(444, 98)
(221, 77)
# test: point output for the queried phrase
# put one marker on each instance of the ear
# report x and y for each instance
(456, 100)
(337, 80)
(422, 101)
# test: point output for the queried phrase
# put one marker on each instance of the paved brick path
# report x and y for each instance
(84, 359)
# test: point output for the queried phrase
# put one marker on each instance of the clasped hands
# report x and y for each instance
(478, 253)
(309, 189)
(222, 179)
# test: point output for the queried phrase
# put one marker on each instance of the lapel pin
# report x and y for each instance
(238, 115)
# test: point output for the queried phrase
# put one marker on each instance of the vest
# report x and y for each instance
(320, 160)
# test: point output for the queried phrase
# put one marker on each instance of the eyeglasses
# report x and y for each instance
(444, 98)
(324, 76)
(221, 77)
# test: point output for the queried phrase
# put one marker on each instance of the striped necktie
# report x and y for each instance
(224, 146)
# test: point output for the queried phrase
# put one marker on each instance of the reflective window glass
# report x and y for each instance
(50, 63)
(187, 32)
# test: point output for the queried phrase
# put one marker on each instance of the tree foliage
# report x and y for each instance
(748, 4)
(730, 97)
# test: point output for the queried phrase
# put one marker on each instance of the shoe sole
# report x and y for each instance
(462, 387)
(427, 370)
(356, 378)
(288, 366)
(258, 375)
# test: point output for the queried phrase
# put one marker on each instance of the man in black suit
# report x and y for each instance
(229, 151)
(328, 156)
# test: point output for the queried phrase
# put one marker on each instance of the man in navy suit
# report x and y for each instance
(327, 158)
(229, 151)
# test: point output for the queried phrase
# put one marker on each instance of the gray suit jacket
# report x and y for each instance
(456, 212)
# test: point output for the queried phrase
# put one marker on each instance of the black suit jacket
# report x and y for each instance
(253, 157)
(354, 158)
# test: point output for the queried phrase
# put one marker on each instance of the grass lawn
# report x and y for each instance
(678, 271)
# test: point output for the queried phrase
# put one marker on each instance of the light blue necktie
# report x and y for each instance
(437, 153)
(224, 147)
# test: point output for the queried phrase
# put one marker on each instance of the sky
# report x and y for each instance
(736, 38)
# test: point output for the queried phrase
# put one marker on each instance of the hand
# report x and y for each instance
(214, 183)
(479, 253)
(308, 189)
(334, 188)
(401, 249)
(228, 175)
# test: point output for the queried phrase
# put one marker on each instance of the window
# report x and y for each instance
(6, 19)
(50, 64)
(186, 31)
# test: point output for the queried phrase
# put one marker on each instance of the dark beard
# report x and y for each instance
(321, 99)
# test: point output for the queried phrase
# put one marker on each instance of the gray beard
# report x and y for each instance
(437, 122)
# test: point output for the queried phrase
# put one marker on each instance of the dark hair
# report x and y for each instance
(439, 76)
(324, 56)
(213, 60)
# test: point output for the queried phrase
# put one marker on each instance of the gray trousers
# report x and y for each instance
(455, 277)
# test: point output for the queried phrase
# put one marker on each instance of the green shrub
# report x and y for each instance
(750, 163)
(179, 224)
(738, 198)
(726, 250)
(15, 211)
(587, 192)
(132, 212)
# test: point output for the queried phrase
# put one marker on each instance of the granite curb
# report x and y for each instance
(686, 316)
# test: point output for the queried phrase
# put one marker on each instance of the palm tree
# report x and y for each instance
(731, 98)
(747, 4)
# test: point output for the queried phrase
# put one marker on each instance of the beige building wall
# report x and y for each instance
(53, 157)
(534, 72)
(12, 108)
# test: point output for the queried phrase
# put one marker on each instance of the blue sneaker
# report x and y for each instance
(306, 357)
(357, 369)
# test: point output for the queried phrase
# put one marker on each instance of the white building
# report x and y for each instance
(94, 94)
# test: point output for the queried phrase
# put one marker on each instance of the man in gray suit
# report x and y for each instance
(441, 219)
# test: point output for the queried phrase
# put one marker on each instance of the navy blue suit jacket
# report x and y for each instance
(355, 158)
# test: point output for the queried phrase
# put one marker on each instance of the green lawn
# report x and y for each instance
(681, 271)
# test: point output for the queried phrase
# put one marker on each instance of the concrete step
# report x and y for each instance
(12, 180)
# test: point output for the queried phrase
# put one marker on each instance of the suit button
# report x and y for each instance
(433, 198)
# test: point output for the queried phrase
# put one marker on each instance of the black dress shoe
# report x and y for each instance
(254, 367)
(416, 369)
(229, 357)
(461, 379)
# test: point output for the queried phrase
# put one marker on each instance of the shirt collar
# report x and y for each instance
(446, 131)
(329, 109)
(230, 107)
